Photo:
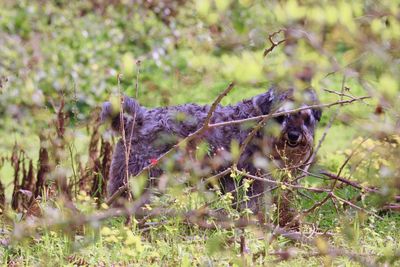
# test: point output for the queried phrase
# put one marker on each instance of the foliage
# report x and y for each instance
(61, 59)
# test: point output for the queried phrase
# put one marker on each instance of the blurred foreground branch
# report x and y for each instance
(207, 126)
(184, 141)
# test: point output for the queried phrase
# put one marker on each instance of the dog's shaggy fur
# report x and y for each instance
(156, 130)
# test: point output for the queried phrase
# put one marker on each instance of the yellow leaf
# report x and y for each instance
(331, 14)
(235, 149)
(129, 252)
(105, 231)
(294, 11)
(246, 3)
(203, 7)
(322, 245)
(128, 66)
(186, 262)
(212, 17)
(346, 16)
(132, 239)
(222, 5)
(388, 86)
(376, 26)
(111, 239)
(115, 104)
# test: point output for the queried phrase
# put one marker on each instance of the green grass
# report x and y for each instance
(73, 50)
(175, 243)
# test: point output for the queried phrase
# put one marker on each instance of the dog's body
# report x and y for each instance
(155, 131)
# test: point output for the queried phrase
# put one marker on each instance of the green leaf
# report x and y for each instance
(215, 244)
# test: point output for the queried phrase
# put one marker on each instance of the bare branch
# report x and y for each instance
(331, 194)
(355, 206)
(207, 126)
(269, 181)
(354, 184)
(189, 138)
(339, 93)
(346, 181)
(328, 105)
(273, 43)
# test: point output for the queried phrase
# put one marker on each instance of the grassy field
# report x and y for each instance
(73, 51)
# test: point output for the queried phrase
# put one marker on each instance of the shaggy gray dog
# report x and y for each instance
(156, 130)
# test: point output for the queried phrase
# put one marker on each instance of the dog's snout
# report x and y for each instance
(293, 136)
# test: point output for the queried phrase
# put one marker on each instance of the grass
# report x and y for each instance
(53, 50)
(175, 243)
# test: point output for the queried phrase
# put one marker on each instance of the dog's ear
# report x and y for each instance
(106, 111)
(111, 111)
(317, 113)
(263, 102)
(312, 99)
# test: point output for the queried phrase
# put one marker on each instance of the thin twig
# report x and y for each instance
(123, 133)
(355, 206)
(189, 138)
(269, 181)
(333, 117)
(273, 43)
(133, 123)
(330, 194)
(207, 126)
(195, 217)
(346, 181)
(339, 93)
(354, 184)
(343, 102)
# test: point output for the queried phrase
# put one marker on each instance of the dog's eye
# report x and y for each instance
(280, 119)
(307, 120)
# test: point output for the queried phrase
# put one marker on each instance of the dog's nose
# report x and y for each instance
(293, 136)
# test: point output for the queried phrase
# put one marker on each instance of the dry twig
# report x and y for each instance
(328, 105)
(333, 186)
(273, 43)
(184, 141)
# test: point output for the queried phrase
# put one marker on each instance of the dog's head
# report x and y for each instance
(111, 111)
(295, 142)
